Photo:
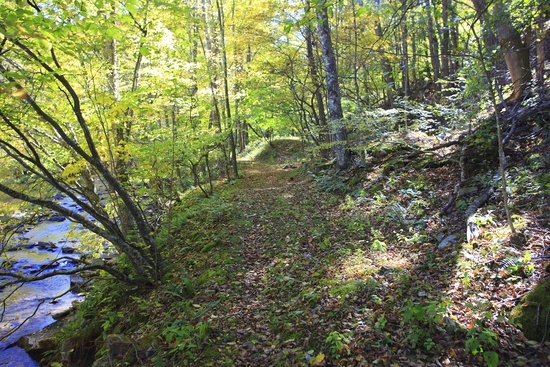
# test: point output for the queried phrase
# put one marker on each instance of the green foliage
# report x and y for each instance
(184, 339)
(330, 182)
(517, 266)
(184, 291)
(421, 320)
(337, 344)
(378, 245)
(480, 339)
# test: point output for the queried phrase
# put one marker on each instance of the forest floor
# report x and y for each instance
(293, 265)
(285, 267)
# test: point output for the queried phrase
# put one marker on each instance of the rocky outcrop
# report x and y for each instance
(40, 342)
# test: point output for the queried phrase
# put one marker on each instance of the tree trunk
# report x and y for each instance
(445, 40)
(516, 52)
(355, 59)
(335, 113)
(404, 51)
(227, 105)
(541, 36)
(319, 107)
(433, 43)
(489, 37)
(386, 67)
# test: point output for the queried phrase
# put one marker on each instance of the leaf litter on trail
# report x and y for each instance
(305, 285)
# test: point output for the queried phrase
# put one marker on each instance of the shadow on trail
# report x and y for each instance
(305, 278)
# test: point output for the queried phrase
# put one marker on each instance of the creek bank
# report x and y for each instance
(38, 343)
(52, 243)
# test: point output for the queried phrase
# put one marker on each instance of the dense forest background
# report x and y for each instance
(127, 107)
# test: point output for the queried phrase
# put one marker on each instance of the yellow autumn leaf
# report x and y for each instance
(317, 360)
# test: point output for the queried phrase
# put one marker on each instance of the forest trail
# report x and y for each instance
(264, 316)
(286, 274)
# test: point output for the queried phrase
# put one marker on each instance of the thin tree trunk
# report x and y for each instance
(445, 40)
(433, 43)
(413, 75)
(489, 37)
(211, 52)
(492, 89)
(319, 108)
(232, 145)
(386, 67)
(355, 59)
(541, 33)
(335, 113)
(404, 51)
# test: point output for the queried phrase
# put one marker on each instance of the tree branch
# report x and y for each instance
(29, 279)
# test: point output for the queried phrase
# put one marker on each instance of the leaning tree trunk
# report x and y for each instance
(334, 105)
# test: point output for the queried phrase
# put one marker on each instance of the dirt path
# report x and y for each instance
(263, 314)
(303, 278)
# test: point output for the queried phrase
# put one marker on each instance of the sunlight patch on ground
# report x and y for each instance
(370, 269)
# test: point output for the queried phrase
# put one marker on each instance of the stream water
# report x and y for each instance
(28, 308)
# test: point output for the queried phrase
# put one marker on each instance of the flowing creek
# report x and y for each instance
(55, 238)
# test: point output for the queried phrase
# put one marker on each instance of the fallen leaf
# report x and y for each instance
(317, 360)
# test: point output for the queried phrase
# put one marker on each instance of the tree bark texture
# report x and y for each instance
(334, 103)
(433, 43)
(445, 40)
(516, 52)
(319, 106)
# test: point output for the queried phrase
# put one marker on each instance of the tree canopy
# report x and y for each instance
(156, 97)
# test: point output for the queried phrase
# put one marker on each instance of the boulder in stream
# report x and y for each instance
(68, 250)
(56, 218)
(43, 245)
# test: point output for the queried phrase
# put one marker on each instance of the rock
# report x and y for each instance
(61, 314)
(533, 311)
(68, 250)
(78, 283)
(56, 218)
(102, 362)
(80, 348)
(46, 245)
(77, 352)
(119, 348)
(449, 240)
(40, 342)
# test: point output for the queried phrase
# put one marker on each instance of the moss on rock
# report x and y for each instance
(533, 312)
